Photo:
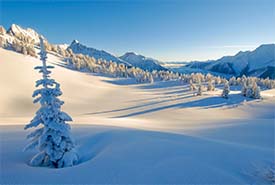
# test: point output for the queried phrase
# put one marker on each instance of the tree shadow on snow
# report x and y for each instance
(203, 103)
(155, 102)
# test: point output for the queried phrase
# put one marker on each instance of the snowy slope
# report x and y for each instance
(116, 155)
(142, 61)
(251, 63)
(143, 134)
(79, 48)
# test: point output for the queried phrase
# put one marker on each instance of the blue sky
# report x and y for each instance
(170, 30)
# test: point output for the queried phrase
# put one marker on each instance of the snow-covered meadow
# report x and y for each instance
(138, 133)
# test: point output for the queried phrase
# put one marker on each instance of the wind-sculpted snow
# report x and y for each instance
(117, 155)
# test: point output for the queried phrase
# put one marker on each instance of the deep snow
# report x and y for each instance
(138, 133)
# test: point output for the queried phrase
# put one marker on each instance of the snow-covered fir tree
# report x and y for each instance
(232, 81)
(256, 91)
(226, 90)
(244, 89)
(52, 138)
(253, 91)
(210, 86)
(192, 86)
(199, 92)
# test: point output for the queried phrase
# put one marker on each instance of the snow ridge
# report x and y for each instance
(142, 61)
(79, 48)
(260, 63)
(28, 32)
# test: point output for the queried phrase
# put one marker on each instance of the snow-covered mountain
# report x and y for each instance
(260, 63)
(129, 58)
(142, 61)
(16, 30)
(79, 48)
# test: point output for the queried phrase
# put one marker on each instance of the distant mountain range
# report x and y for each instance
(260, 62)
(78, 48)
(129, 58)
(142, 61)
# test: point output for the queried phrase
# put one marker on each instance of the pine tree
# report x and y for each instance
(210, 86)
(199, 92)
(52, 138)
(226, 90)
(253, 91)
(256, 91)
(244, 89)
(232, 81)
(192, 86)
(150, 78)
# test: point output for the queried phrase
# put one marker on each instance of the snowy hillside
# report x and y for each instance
(260, 63)
(79, 48)
(142, 62)
(129, 130)
(138, 133)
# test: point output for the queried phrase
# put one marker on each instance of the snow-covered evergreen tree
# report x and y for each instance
(244, 89)
(256, 91)
(232, 81)
(52, 137)
(210, 86)
(253, 91)
(199, 92)
(192, 86)
(226, 90)
(151, 79)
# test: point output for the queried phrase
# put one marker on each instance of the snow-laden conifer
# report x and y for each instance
(210, 86)
(192, 86)
(199, 92)
(52, 136)
(253, 91)
(226, 90)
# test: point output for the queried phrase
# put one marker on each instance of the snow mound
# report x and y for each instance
(111, 155)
